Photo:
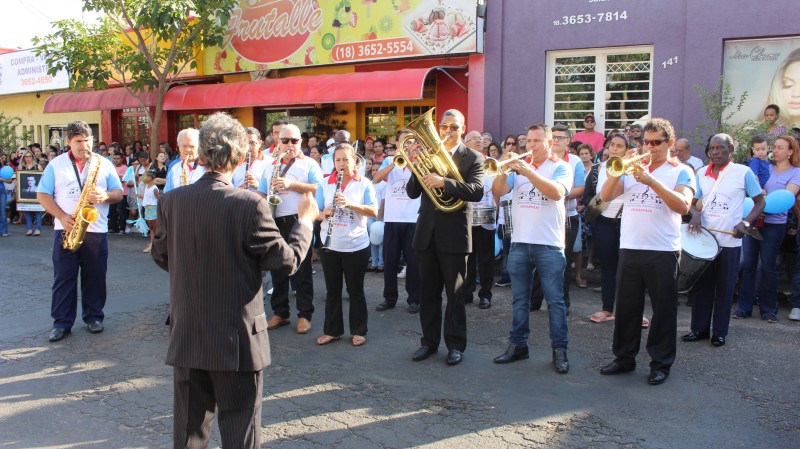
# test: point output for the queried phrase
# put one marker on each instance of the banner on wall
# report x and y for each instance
(279, 34)
(23, 71)
(769, 71)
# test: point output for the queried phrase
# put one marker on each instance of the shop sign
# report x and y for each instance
(23, 71)
(276, 34)
(769, 71)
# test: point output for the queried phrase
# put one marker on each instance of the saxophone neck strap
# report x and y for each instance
(75, 167)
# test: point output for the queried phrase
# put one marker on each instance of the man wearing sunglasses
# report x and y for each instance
(296, 176)
(589, 135)
(442, 242)
(650, 248)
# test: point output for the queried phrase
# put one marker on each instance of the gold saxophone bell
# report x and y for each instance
(494, 167)
(432, 158)
(85, 213)
(617, 166)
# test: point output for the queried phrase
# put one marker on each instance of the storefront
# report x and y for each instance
(628, 60)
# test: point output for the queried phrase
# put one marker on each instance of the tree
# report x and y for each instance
(10, 140)
(140, 44)
(720, 106)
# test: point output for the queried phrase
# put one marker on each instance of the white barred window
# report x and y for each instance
(613, 84)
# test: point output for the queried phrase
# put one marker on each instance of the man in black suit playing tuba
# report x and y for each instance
(443, 240)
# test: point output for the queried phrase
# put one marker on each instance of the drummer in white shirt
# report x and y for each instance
(722, 187)
(655, 198)
(480, 262)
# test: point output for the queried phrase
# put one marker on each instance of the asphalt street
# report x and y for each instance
(113, 390)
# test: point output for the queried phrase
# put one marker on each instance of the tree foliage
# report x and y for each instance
(10, 138)
(140, 44)
(720, 106)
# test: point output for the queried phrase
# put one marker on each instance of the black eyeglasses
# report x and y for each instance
(654, 143)
(285, 140)
(452, 127)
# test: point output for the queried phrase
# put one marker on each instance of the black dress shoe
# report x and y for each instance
(58, 334)
(718, 341)
(695, 336)
(512, 354)
(657, 377)
(560, 361)
(485, 303)
(384, 306)
(454, 357)
(95, 327)
(423, 353)
(413, 308)
(615, 368)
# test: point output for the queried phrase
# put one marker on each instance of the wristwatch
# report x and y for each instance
(746, 224)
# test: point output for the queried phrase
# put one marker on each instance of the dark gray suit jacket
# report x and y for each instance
(453, 230)
(215, 240)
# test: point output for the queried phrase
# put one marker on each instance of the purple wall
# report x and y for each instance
(521, 32)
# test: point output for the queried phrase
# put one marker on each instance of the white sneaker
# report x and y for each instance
(590, 267)
(402, 274)
(795, 314)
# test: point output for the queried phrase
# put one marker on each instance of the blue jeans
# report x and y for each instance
(376, 250)
(767, 251)
(550, 262)
(3, 219)
(29, 220)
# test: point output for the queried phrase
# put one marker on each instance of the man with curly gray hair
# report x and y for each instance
(215, 240)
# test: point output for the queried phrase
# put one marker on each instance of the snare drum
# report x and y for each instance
(483, 215)
(697, 253)
(508, 226)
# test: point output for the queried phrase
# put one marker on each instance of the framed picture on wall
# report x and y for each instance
(27, 181)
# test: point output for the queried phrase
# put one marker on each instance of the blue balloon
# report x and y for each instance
(778, 201)
(498, 245)
(6, 172)
(748, 206)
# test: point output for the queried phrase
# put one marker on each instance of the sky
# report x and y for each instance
(21, 20)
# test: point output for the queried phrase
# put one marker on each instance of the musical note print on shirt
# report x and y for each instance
(528, 195)
(644, 199)
(398, 189)
(719, 204)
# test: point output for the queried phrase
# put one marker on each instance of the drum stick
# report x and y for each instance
(721, 231)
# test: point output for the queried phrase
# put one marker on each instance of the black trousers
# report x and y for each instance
(570, 234)
(118, 216)
(303, 279)
(481, 263)
(397, 238)
(606, 236)
(351, 266)
(656, 271)
(439, 270)
(236, 394)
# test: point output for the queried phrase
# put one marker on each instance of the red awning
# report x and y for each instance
(406, 84)
(98, 100)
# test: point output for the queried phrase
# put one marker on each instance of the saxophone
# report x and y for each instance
(85, 213)
(331, 221)
(184, 179)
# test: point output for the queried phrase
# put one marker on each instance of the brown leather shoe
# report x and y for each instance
(276, 322)
(303, 326)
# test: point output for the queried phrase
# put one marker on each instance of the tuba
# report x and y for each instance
(433, 158)
(85, 213)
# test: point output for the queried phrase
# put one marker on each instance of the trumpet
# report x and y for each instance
(494, 167)
(616, 166)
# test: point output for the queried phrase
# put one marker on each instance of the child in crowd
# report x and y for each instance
(759, 164)
(376, 263)
(149, 198)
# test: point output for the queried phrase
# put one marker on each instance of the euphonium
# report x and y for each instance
(433, 158)
(616, 166)
(493, 167)
(84, 213)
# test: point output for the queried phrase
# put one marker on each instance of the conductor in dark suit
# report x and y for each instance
(215, 240)
(443, 241)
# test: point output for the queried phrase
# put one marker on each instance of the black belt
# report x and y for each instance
(286, 219)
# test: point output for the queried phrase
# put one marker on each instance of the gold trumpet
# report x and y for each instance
(616, 166)
(432, 158)
(494, 167)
